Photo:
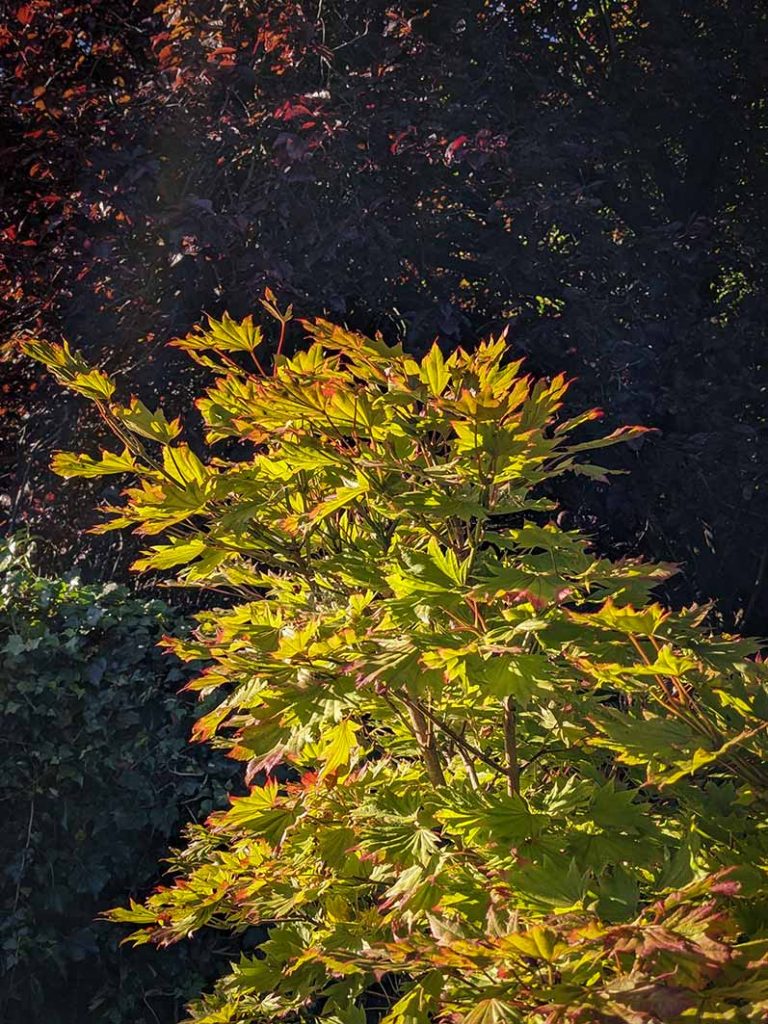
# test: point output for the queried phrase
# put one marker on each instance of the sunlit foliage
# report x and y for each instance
(492, 779)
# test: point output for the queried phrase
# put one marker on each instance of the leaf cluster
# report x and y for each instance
(503, 783)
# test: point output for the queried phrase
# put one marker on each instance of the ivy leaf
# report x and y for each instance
(14, 645)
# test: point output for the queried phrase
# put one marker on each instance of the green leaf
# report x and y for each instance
(492, 1011)
(183, 466)
(225, 335)
(343, 497)
(70, 464)
(643, 622)
(263, 812)
(499, 819)
(418, 1003)
(152, 425)
(135, 914)
(539, 942)
(648, 740)
(433, 371)
(552, 884)
(166, 556)
(71, 369)
(94, 384)
(517, 675)
(618, 436)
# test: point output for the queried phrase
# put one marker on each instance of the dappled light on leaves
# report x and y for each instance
(492, 778)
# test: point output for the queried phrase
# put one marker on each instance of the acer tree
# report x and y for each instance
(492, 779)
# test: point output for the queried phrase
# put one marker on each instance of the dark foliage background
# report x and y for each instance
(98, 778)
(591, 174)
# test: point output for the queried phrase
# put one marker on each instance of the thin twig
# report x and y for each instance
(455, 736)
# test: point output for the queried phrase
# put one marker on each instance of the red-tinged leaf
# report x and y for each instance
(399, 138)
(287, 111)
(452, 148)
(655, 1001)
(617, 437)
(726, 887)
(206, 727)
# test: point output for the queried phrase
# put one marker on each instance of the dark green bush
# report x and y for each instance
(97, 778)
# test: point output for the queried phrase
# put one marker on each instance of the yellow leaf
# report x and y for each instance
(152, 425)
(433, 371)
(183, 466)
(337, 747)
(69, 464)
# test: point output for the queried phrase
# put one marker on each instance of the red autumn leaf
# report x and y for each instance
(287, 111)
(455, 146)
